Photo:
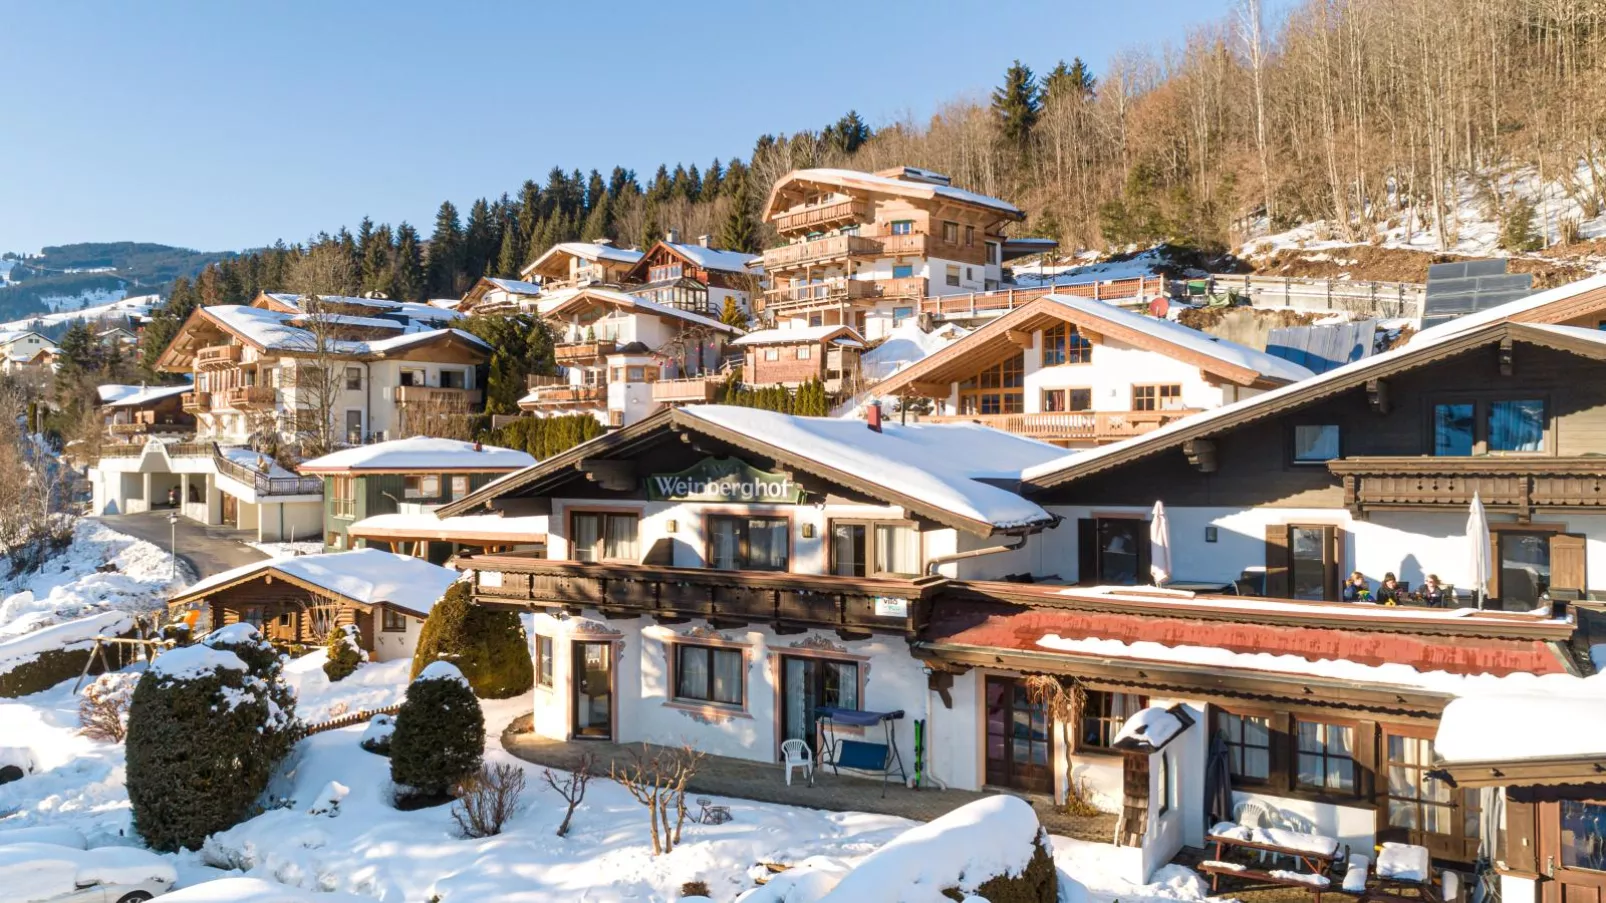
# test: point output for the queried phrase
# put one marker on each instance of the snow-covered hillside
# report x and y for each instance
(71, 586)
(137, 306)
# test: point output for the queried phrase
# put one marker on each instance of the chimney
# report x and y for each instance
(703, 241)
(872, 416)
(672, 236)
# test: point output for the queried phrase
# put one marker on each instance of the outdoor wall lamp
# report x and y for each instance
(670, 526)
(808, 531)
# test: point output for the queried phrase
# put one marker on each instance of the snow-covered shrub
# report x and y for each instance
(16, 763)
(207, 726)
(376, 736)
(440, 736)
(345, 652)
(487, 799)
(489, 647)
(103, 709)
(37, 661)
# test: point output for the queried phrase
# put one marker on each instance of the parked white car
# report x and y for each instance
(51, 873)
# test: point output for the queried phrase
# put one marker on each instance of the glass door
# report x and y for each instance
(1524, 568)
(1019, 739)
(809, 683)
(593, 690)
(1121, 544)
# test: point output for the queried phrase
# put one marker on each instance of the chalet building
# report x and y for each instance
(134, 413)
(791, 357)
(501, 296)
(24, 351)
(694, 277)
(422, 533)
(299, 600)
(736, 578)
(1079, 372)
(863, 249)
(124, 340)
(577, 264)
(623, 356)
(418, 473)
(1370, 467)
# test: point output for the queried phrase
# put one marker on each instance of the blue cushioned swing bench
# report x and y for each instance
(860, 755)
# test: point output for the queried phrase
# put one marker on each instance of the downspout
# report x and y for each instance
(368, 400)
(1020, 541)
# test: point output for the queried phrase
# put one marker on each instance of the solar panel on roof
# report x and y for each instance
(1468, 286)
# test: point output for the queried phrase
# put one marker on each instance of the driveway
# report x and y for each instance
(207, 550)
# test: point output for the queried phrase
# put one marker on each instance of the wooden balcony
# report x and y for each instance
(196, 402)
(819, 217)
(819, 251)
(218, 357)
(1511, 484)
(575, 352)
(903, 245)
(967, 305)
(790, 602)
(1071, 426)
(906, 287)
(565, 396)
(695, 390)
(444, 397)
(242, 398)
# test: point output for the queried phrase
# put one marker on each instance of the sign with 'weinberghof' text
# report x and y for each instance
(723, 480)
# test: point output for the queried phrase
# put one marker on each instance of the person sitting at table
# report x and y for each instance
(1389, 592)
(1432, 591)
(1355, 588)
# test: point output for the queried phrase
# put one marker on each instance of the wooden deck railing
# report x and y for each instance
(445, 396)
(265, 484)
(583, 351)
(1061, 426)
(693, 390)
(566, 395)
(820, 249)
(1515, 484)
(972, 304)
(822, 216)
(216, 357)
(347, 720)
(791, 600)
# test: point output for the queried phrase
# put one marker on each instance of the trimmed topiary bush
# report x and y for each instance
(488, 647)
(207, 726)
(345, 652)
(439, 738)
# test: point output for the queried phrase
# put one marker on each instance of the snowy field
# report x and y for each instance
(107, 304)
(70, 586)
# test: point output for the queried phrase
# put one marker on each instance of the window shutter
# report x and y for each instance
(1277, 561)
(1519, 850)
(1335, 563)
(1086, 550)
(1567, 562)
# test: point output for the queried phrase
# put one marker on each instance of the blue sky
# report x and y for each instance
(222, 125)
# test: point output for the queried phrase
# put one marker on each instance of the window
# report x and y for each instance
(393, 620)
(708, 674)
(1325, 756)
(953, 274)
(1452, 429)
(1248, 746)
(1310, 565)
(903, 270)
(1315, 443)
(807, 683)
(454, 379)
(1064, 344)
(602, 537)
(993, 254)
(1583, 827)
(772, 354)
(1517, 426)
(737, 543)
(897, 549)
(543, 661)
(634, 374)
(803, 352)
(1423, 804)
(343, 497)
(950, 232)
(284, 620)
(1103, 714)
(354, 427)
(865, 548)
(253, 616)
(412, 377)
(1167, 785)
(459, 486)
(617, 374)
(354, 378)
(421, 486)
(902, 315)
(1157, 398)
(903, 227)
(970, 236)
(996, 390)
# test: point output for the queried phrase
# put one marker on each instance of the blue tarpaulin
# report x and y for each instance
(856, 718)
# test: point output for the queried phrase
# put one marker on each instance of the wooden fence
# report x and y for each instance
(350, 718)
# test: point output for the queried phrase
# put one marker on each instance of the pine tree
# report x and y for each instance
(1068, 82)
(599, 222)
(847, 134)
(377, 268)
(479, 242)
(1017, 105)
(651, 231)
(510, 260)
(739, 231)
(444, 267)
(731, 314)
(529, 215)
(408, 280)
(365, 240)
(712, 180)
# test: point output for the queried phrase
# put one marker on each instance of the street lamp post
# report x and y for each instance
(172, 523)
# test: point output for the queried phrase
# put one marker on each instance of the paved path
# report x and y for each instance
(207, 550)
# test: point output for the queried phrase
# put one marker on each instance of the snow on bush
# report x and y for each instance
(376, 736)
(440, 735)
(328, 800)
(254, 890)
(345, 652)
(103, 708)
(41, 659)
(488, 646)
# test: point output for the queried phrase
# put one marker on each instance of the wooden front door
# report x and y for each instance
(1020, 742)
(1572, 851)
(231, 510)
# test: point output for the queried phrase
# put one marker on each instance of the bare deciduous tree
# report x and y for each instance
(657, 777)
(572, 787)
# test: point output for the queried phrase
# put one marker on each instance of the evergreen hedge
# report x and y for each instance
(544, 437)
(807, 400)
(440, 735)
(489, 647)
(202, 744)
(345, 653)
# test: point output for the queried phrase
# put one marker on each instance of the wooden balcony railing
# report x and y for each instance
(242, 397)
(564, 396)
(906, 287)
(583, 351)
(819, 217)
(792, 601)
(536, 381)
(971, 304)
(445, 397)
(820, 250)
(695, 390)
(265, 484)
(903, 245)
(196, 401)
(217, 357)
(1070, 426)
(1507, 484)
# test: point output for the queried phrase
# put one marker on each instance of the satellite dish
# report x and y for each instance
(1159, 306)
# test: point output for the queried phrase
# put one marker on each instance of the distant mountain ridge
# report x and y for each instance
(63, 277)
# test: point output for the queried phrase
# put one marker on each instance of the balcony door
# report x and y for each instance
(1528, 563)
(807, 683)
(1114, 551)
(593, 690)
(1572, 847)
(1020, 746)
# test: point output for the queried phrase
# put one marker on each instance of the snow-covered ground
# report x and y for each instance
(287, 549)
(1088, 268)
(370, 849)
(70, 586)
(112, 304)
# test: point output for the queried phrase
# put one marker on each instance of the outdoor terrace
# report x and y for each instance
(1070, 426)
(828, 215)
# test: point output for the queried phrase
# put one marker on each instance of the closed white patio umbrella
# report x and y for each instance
(1478, 541)
(1159, 545)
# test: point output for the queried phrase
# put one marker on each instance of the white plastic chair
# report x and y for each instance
(796, 754)
(1255, 814)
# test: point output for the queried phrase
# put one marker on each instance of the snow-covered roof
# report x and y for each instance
(276, 331)
(585, 250)
(463, 528)
(644, 305)
(797, 335)
(13, 336)
(715, 258)
(907, 344)
(365, 576)
(942, 465)
(142, 395)
(515, 286)
(1563, 721)
(410, 309)
(419, 454)
(849, 179)
(348, 320)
